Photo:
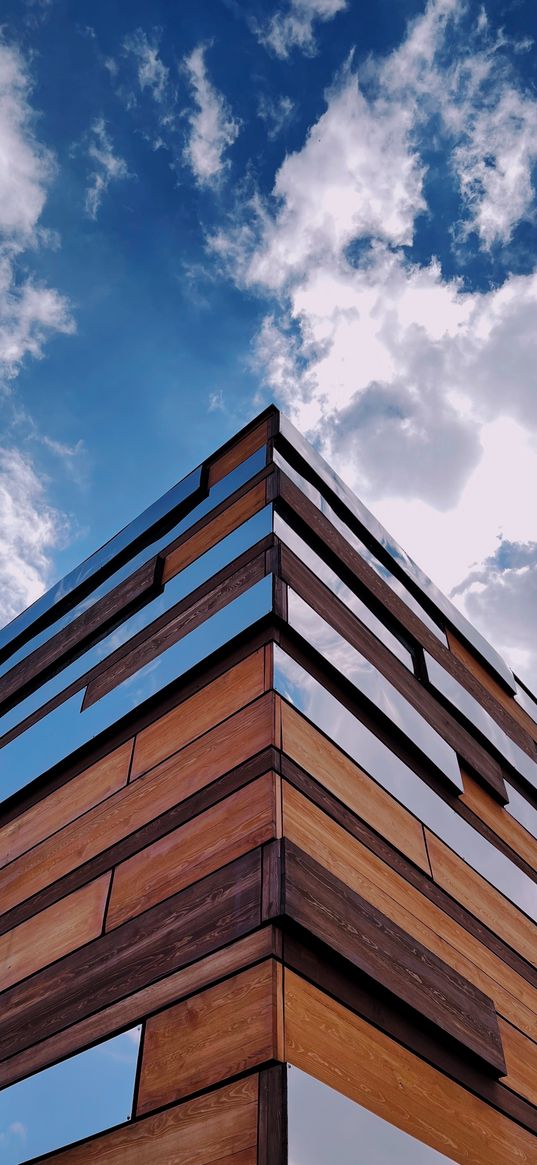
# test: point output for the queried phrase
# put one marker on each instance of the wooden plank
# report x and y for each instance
(499, 821)
(272, 1138)
(91, 624)
(193, 717)
(238, 452)
(312, 831)
(219, 1126)
(521, 1059)
(208, 1038)
(239, 955)
(500, 696)
(320, 757)
(198, 764)
(330, 608)
(390, 957)
(53, 933)
(232, 827)
(177, 623)
(199, 920)
(65, 804)
(191, 546)
(346, 1053)
(479, 897)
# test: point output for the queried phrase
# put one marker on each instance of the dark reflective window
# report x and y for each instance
(521, 810)
(329, 577)
(308, 695)
(314, 495)
(469, 707)
(381, 536)
(526, 700)
(369, 681)
(326, 1128)
(64, 729)
(70, 1101)
(217, 494)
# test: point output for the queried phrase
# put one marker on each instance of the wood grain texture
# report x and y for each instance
(193, 545)
(65, 804)
(346, 1053)
(311, 830)
(193, 717)
(198, 764)
(212, 1036)
(199, 920)
(220, 1126)
(272, 1146)
(53, 933)
(177, 623)
(390, 957)
(320, 757)
(521, 1059)
(239, 955)
(238, 452)
(91, 624)
(232, 827)
(329, 607)
(500, 696)
(499, 821)
(478, 896)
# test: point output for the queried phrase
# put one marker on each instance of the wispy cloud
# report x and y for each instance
(152, 73)
(292, 26)
(212, 127)
(275, 112)
(107, 166)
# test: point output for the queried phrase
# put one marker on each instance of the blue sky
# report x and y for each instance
(329, 204)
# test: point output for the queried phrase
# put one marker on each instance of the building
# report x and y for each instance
(269, 808)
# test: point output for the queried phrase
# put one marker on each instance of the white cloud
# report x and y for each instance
(292, 27)
(212, 127)
(18, 1130)
(275, 112)
(30, 530)
(107, 167)
(152, 73)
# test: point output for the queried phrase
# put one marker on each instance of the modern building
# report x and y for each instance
(268, 845)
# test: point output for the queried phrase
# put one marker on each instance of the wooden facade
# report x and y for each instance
(230, 841)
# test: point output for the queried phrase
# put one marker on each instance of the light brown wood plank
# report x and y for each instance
(238, 453)
(481, 899)
(521, 1059)
(65, 804)
(216, 1034)
(491, 685)
(133, 1008)
(328, 765)
(349, 860)
(213, 531)
(194, 716)
(220, 1126)
(54, 932)
(198, 764)
(499, 820)
(342, 1050)
(232, 827)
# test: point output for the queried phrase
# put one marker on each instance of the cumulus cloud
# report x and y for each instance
(107, 166)
(30, 529)
(212, 127)
(500, 596)
(292, 27)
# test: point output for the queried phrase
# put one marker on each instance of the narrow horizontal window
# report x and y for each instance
(526, 700)
(70, 1101)
(521, 809)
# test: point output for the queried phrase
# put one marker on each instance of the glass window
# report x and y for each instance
(470, 708)
(70, 1101)
(369, 681)
(310, 697)
(521, 809)
(326, 1128)
(524, 697)
(329, 577)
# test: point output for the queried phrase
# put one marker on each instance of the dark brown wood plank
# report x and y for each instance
(329, 607)
(92, 624)
(335, 914)
(218, 910)
(337, 978)
(238, 451)
(272, 1142)
(175, 624)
